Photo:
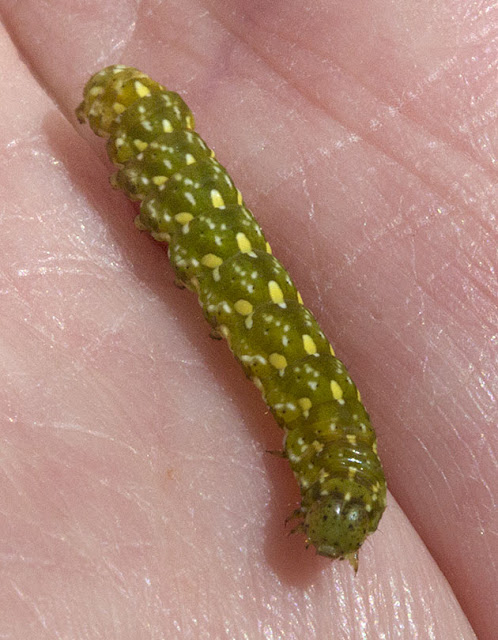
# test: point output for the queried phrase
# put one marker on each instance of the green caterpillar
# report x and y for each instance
(218, 250)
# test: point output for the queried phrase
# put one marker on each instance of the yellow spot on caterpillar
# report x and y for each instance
(257, 383)
(277, 360)
(167, 126)
(352, 471)
(336, 390)
(189, 158)
(299, 298)
(184, 217)
(243, 242)
(276, 294)
(141, 89)
(140, 144)
(368, 508)
(374, 447)
(305, 404)
(331, 349)
(211, 261)
(240, 199)
(358, 395)
(317, 446)
(351, 439)
(244, 307)
(322, 475)
(189, 121)
(268, 248)
(347, 497)
(217, 199)
(117, 107)
(159, 180)
(309, 344)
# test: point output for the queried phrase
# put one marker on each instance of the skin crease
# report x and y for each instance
(137, 497)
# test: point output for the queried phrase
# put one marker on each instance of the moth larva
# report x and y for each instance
(219, 251)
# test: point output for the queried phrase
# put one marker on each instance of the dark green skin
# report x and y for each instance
(219, 251)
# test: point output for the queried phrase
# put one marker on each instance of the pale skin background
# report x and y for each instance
(137, 499)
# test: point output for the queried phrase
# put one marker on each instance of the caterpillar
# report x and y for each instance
(218, 250)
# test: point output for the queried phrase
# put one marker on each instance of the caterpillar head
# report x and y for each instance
(337, 528)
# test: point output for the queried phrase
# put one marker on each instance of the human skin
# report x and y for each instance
(137, 498)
